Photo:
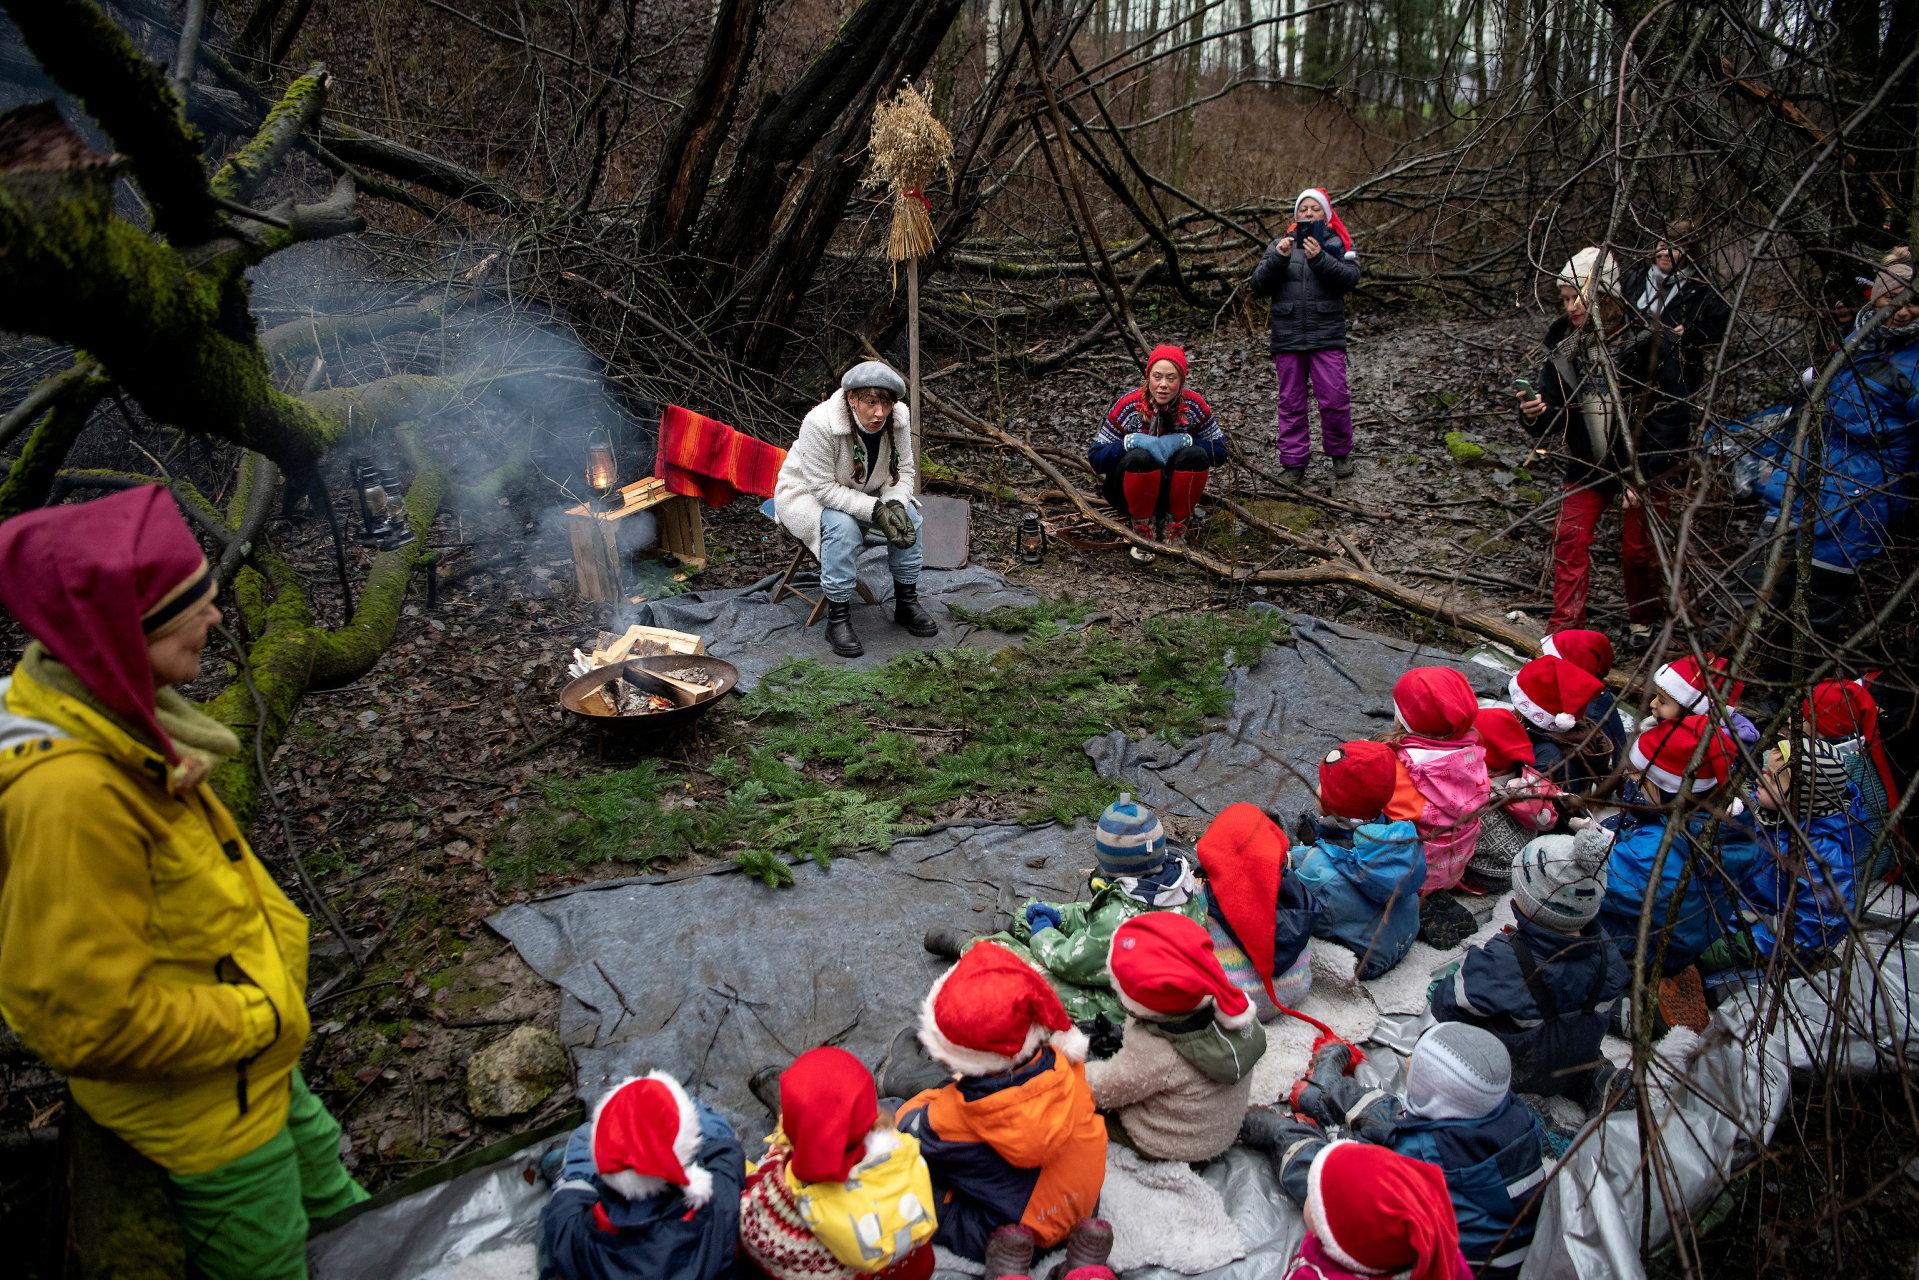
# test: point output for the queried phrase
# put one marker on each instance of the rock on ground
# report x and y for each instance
(515, 1074)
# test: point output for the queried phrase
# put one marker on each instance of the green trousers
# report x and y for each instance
(247, 1219)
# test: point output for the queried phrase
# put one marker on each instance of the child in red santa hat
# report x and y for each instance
(649, 1190)
(1552, 696)
(1442, 783)
(1844, 715)
(1016, 1148)
(840, 1192)
(1687, 687)
(1371, 1212)
(1363, 870)
(1184, 1073)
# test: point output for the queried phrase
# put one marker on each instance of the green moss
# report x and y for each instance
(1529, 495)
(1294, 516)
(835, 759)
(298, 107)
(1463, 451)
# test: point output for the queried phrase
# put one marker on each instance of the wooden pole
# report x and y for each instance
(913, 366)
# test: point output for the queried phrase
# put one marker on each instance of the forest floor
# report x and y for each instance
(445, 785)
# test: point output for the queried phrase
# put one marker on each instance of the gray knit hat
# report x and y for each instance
(1457, 1072)
(1559, 881)
(876, 374)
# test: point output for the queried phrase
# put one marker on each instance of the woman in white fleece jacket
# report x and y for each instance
(852, 466)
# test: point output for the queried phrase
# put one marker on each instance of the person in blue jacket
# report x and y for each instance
(1364, 870)
(1799, 889)
(1661, 830)
(1459, 1113)
(1547, 985)
(649, 1190)
(1850, 503)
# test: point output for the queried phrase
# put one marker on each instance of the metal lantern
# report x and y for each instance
(1030, 541)
(382, 523)
(603, 473)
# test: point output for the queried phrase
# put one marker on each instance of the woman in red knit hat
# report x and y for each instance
(1156, 448)
(144, 950)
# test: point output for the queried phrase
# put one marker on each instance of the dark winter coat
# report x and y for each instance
(1689, 301)
(1309, 296)
(1583, 755)
(658, 1238)
(1495, 1166)
(1545, 994)
(1657, 420)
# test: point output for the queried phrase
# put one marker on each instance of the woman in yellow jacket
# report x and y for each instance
(144, 950)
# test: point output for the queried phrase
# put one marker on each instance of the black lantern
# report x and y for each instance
(382, 522)
(1030, 540)
(603, 473)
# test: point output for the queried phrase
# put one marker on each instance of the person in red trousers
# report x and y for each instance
(1155, 449)
(1612, 396)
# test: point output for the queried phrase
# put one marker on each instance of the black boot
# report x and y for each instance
(839, 629)
(908, 612)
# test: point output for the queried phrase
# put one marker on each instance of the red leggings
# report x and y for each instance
(1644, 584)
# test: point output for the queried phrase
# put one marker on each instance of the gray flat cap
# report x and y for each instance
(876, 374)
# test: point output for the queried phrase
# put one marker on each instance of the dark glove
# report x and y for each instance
(893, 520)
(1040, 916)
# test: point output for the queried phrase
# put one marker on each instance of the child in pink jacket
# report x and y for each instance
(1442, 783)
(1372, 1212)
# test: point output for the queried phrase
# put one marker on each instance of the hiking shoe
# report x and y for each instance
(1638, 637)
(1009, 1251)
(1088, 1244)
(1263, 1129)
(909, 613)
(1443, 923)
(1612, 1090)
(1175, 531)
(1296, 474)
(906, 1069)
(1343, 468)
(840, 635)
(946, 942)
(764, 1084)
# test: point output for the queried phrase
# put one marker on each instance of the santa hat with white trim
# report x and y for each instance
(1376, 1212)
(1665, 751)
(1692, 686)
(1588, 650)
(1163, 966)
(1550, 693)
(991, 1011)
(646, 1132)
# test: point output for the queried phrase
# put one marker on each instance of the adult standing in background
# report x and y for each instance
(1307, 273)
(144, 949)
(1672, 292)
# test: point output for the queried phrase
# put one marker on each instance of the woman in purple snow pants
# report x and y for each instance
(1307, 273)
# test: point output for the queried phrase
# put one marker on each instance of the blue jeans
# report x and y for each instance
(842, 537)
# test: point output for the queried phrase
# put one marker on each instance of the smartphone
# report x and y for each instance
(1522, 388)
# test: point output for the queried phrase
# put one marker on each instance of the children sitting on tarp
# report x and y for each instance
(1799, 883)
(1373, 1212)
(1459, 1113)
(1547, 984)
(1364, 871)
(649, 1189)
(1592, 653)
(1259, 914)
(1524, 802)
(1184, 1073)
(1551, 697)
(1014, 1141)
(840, 1192)
(1442, 783)
(1645, 871)
(1845, 716)
(1136, 872)
(1685, 687)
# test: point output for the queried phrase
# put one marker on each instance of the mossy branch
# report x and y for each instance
(295, 113)
(31, 477)
(89, 56)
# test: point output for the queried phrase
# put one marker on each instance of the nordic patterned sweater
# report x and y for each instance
(1130, 413)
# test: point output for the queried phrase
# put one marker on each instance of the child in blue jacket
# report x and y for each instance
(1798, 890)
(1364, 870)
(1547, 984)
(1459, 1113)
(649, 1190)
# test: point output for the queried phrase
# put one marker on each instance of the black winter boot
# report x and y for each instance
(839, 629)
(908, 612)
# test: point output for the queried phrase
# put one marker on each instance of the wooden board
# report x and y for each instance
(594, 537)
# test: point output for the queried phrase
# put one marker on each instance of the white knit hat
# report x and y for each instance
(1592, 271)
(1457, 1072)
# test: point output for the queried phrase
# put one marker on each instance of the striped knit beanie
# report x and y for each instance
(1130, 841)
(1825, 773)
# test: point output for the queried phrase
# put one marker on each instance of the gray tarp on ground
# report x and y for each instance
(1332, 684)
(755, 635)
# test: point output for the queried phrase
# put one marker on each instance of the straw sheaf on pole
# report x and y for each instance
(910, 147)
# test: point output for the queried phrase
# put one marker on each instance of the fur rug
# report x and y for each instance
(514, 1262)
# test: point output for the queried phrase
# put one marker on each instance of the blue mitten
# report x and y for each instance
(1040, 916)
(1133, 439)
